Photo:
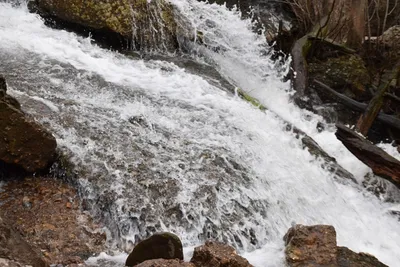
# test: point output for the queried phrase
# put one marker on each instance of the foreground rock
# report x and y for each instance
(309, 246)
(14, 250)
(158, 246)
(165, 263)
(214, 254)
(149, 24)
(23, 142)
(46, 212)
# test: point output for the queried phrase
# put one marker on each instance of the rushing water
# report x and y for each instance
(159, 147)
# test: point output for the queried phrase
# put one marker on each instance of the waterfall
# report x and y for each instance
(159, 147)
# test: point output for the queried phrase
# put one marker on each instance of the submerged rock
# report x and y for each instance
(149, 24)
(158, 246)
(165, 263)
(23, 142)
(309, 246)
(14, 248)
(214, 254)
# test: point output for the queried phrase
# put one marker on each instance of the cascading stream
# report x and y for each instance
(159, 148)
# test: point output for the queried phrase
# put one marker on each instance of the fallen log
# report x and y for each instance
(381, 163)
(389, 120)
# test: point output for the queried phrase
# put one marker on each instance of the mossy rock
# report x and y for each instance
(347, 74)
(158, 246)
(149, 24)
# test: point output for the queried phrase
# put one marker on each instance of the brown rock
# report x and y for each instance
(64, 236)
(158, 246)
(9, 263)
(311, 246)
(348, 258)
(165, 263)
(214, 254)
(22, 141)
(15, 248)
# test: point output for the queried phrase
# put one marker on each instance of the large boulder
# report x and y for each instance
(165, 263)
(158, 246)
(149, 24)
(214, 254)
(16, 250)
(23, 142)
(310, 246)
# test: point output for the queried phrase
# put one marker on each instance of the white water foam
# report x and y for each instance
(284, 176)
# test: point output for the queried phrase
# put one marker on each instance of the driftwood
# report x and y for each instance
(389, 120)
(381, 163)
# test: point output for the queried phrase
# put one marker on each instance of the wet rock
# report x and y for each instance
(158, 246)
(149, 24)
(348, 258)
(37, 208)
(165, 263)
(22, 141)
(311, 246)
(214, 254)
(15, 248)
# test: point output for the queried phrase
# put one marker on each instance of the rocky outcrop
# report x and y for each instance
(165, 263)
(346, 74)
(23, 142)
(47, 213)
(309, 246)
(149, 24)
(14, 248)
(214, 254)
(158, 246)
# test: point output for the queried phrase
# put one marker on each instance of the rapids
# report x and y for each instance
(161, 147)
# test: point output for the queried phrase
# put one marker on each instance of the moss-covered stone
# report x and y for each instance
(347, 74)
(146, 23)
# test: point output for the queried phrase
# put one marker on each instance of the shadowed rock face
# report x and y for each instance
(158, 246)
(214, 254)
(150, 25)
(310, 246)
(164, 263)
(22, 141)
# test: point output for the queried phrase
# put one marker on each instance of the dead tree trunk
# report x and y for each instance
(356, 33)
(381, 163)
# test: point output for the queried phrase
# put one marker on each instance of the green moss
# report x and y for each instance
(250, 99)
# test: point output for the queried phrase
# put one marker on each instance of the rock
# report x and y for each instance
(149, 24)
(158, 246)
(15, 248)
(23, 142)
(10, 263)
(165, 263)
(348, 258)
(214, 254)
(311, 246)
(346, 74)
(391, 37)
(36, 208)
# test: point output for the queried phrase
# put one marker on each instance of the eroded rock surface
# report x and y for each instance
(14, 250)
(214, 254)
(46, 212)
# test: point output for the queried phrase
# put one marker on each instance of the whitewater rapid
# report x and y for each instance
(164, 149)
